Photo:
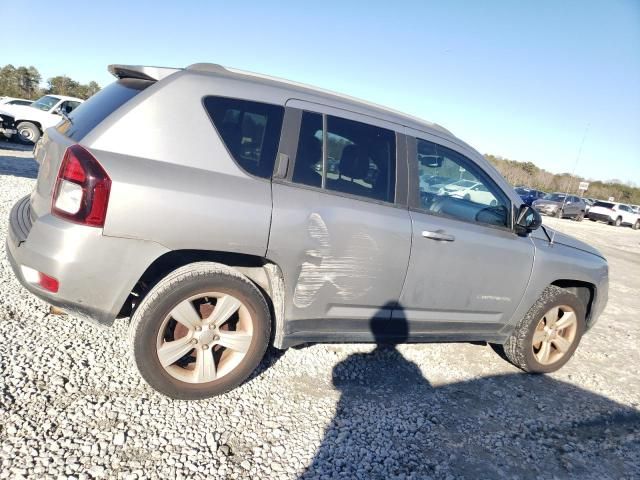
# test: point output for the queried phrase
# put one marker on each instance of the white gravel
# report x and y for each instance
(71, 405)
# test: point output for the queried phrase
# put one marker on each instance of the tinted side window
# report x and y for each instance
(361, 159)
(452, 185)
(250, 131)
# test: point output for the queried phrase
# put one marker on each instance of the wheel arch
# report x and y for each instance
(265, 274)
(585, 291)
(25, 120)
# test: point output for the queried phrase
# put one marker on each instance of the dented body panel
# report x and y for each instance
(342, 259)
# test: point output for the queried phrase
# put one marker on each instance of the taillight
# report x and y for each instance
(82, 190)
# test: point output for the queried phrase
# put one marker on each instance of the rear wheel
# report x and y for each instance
(636, 225)
(580, 217)
(547, 337)
(28, 132)
(200, 331)
(559, 213)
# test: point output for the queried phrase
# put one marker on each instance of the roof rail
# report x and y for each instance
(141, 72)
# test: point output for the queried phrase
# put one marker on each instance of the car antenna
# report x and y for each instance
(575, 166)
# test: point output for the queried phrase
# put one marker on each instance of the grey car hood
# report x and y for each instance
(566, 240)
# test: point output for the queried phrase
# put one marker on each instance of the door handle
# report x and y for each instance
(438, 235)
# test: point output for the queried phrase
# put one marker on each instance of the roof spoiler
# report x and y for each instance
(141, 72)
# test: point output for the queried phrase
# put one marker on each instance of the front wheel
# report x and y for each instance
(636, 225)
(559, 213)
(580, 217)
(618, 222)
(28, 132)
(200, 331)
(547, 337)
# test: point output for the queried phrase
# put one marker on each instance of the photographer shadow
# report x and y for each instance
(390, 422)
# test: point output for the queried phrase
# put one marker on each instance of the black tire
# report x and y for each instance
(182, 284)
(618, 222)
(28, 133)
(559, 213)
(466, 197)
(580, 217)
(636, 225)
(518, 347)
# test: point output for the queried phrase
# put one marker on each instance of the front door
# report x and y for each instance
(337, 233)
(468, 269)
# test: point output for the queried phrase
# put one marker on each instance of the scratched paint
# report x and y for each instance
(349, 267)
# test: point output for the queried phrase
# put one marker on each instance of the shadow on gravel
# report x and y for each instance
(391, 423)
(18, 147)
(19, 166)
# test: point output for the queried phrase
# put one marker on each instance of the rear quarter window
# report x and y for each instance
(89, 114)
(250, 131)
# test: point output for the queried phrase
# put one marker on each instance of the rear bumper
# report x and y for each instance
(600, 217)
(96, 273)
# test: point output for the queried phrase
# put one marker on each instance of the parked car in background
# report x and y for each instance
(4, 101)
(614, 214)
(529, 195)
(7, 126)
(30, 121)
(588, 204)
(636, 209)
(561, 205)
(244, 240)
(465, 189)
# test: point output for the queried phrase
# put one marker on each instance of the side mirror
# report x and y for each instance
(528, 219)
(430, 161)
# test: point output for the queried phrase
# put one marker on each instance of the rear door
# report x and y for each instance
(468, 269)
(340, 226)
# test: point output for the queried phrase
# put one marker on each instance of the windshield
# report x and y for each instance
(46, 103)
(603, 204)
(556, 197)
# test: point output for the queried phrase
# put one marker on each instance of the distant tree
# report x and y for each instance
(528, 174)
(24, 82)
(63, 85)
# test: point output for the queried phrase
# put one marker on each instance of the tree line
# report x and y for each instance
(25, 82)
(530, 175)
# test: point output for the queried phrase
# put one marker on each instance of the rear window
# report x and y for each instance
(89, 114)
(603, 204)
(250, 131)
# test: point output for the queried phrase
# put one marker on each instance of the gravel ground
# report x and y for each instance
(71, 405)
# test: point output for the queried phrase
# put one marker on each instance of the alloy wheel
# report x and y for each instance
(554, 335)
(204, 337)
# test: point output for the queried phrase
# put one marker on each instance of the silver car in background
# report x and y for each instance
(561, 205)
(224, 211)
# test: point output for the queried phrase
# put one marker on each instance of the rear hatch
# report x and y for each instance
(49, 152)
(602, 208)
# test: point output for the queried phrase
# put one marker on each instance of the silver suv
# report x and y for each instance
(224, 211)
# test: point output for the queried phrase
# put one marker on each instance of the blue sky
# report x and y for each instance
(517, 79)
